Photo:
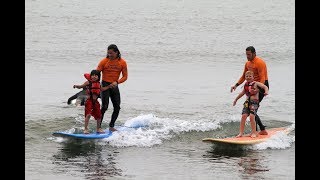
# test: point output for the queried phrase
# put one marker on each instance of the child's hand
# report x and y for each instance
(234, 103)
(266, 93)
(233, 88)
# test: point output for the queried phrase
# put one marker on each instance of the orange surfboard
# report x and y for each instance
(245, 140)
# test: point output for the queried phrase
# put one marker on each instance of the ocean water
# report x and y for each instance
(183, 56)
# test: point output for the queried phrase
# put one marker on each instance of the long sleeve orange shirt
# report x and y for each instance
(259, 69)
(111, 70)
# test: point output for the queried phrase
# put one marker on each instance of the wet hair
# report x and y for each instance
(95, 72)
(249, 72)
(115, 49)
(251, 48)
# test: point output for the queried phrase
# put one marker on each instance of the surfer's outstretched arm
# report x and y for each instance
(238, 97)
(82, 85)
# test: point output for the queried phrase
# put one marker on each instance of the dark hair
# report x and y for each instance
(251, 48)
(95, 72)
(115, 49)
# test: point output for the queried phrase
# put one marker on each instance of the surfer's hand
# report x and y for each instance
(113, 85)
(234, 103)
(233, 88)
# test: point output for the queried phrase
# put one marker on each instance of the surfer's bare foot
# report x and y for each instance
(263, 132)
(239, 135)
(86, 131)
(254, 135)
(112, 129)
(99, 130)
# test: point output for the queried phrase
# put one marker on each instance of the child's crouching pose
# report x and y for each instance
(92, 105)
(251, 104)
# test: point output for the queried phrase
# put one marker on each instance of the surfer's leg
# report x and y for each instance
(86, 122)
(242, 124)
(87, 115)
(96, 113)
(259, 123)
(116, 100)
(257, 118)
(99, 129)
(104, 100)
(261, 126)
(253, 125)
(254, 105)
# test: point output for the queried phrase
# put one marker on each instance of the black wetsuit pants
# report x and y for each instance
(257, 118)
(114, 95)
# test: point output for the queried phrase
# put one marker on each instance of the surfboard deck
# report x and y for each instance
(247, 140)
(92, 135)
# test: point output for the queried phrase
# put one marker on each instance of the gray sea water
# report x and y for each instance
(183, 56)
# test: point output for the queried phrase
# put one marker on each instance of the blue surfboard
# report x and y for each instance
(94, 135)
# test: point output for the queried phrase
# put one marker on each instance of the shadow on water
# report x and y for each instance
(87, 157)
(227, 150)
(250, 162)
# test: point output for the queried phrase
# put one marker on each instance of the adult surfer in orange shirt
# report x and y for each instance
(259, 68)
(111, 67)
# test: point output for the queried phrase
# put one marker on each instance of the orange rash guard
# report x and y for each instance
(111, 70)
(259, 69)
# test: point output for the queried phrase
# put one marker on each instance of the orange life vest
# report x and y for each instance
(93, 87)
(247, 87)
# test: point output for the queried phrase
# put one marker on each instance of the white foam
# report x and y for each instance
(280, 140)
(57, 139)
(155, 130)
